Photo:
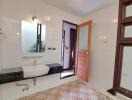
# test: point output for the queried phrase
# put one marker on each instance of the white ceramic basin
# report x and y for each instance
(34, 71)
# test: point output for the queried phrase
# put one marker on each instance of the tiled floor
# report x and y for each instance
(75, 90)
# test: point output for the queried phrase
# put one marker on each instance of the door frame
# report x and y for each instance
(62, 52)
(89, 42)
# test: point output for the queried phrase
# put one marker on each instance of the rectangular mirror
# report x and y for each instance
(33, 37)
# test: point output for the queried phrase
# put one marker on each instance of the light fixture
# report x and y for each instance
(115, 20)
(18, 34)
(35, 20)
(47, 18)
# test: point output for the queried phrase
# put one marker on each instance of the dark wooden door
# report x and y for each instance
(73, 40)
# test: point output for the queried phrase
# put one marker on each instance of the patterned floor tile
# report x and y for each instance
(76, 90)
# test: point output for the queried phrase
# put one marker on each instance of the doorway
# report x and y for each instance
(83, 50)
(68, 48)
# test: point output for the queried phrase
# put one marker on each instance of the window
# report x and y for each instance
(122, 82)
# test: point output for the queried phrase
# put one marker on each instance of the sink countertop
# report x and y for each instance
(10, 70)
(19, 69)
(53, 65)
(8, 75)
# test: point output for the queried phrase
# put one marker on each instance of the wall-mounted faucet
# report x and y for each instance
(26, 86)
(34, 81)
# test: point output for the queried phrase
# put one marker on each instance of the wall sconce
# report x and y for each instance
(47, 18)
(35, 20)
(115, 20)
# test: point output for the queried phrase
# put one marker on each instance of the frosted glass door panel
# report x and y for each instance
(128, 31)
(83, 38)
(129, 11)
(126, 78)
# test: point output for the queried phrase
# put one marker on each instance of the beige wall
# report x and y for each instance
(11, 14)
(103, 53)
(0, 56)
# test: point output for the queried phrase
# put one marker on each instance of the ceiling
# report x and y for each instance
(79, 7)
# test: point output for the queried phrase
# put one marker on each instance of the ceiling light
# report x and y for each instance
(115, 20)
(18, 34)
(47, 18)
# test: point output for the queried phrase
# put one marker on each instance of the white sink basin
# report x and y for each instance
(34, 71)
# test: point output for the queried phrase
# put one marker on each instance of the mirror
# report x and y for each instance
(128, 10)
(126, 77)
(33, 37)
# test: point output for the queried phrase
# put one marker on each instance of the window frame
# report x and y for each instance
(121, 42)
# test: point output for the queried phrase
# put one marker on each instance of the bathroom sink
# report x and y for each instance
(35, 70)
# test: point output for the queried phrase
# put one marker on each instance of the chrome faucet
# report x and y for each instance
(35, 62)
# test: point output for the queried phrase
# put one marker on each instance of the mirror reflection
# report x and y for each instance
(33, 37)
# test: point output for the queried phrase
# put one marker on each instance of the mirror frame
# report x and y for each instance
(29, 54)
